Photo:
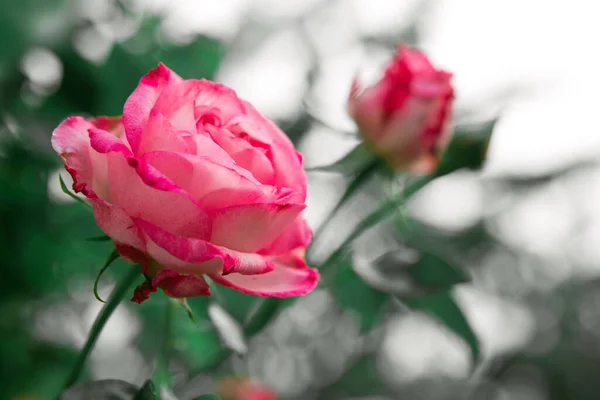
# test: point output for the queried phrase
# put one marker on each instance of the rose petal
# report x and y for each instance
(213, 184)
(286, 161)
(142, 191)
(291, 277)
(203, 93)
(137, 107)
(250, 227)
(159, 134)
(297, 235)
(180, 286)
(115, 222)
(71, 141)
(189, 255)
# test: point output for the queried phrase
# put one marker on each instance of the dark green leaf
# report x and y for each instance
(353, 294)
(112, 257)
(207, 397)
(66, 190)
(432, 272)
(147, 392)
(467, 149)
(442, 306)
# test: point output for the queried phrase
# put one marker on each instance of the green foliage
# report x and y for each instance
(147, 392)
(467, 149)
(353, 294)
(443, 307)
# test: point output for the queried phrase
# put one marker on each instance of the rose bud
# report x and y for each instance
(405, 117)
(193, 181)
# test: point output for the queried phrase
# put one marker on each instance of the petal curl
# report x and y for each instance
(196, 256)
(291, 277)
(71, 141)
(137, 107)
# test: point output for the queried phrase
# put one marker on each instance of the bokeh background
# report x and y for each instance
(525, 228)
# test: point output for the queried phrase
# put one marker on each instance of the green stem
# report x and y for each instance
(360, 179)
(379, 214)
(161, 375)
(115, 298)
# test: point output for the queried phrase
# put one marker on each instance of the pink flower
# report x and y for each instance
(234, 388)
(405, 117)
(191, 182)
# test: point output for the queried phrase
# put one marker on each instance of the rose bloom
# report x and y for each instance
(405, 117)
(236, 388)
(193, 181)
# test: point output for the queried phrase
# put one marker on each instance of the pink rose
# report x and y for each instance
(235, 388)
(193, 181)
(405, 117)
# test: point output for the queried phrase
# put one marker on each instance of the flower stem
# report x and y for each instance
(161, 375)
(113, 301)
(386, 209)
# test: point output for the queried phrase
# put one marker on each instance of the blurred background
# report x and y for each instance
(525, 228)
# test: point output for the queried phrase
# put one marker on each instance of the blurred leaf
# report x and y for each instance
(207, 397)
(147, 392)
(432, 272)
(442, 306)
(198, 345)
(265, 311)
(357, 160)
(353, 294)
(360, 379)
(109, 389)
(467, 149)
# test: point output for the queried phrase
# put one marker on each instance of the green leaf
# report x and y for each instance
(358, 159)
(353, 294)
(147, 392)
(112, 257)
(443, 307)
(197, 344)
(432, 272)
(467, 149)
(66, 190)
(207, 397)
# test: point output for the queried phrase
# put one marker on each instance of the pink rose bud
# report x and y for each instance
(405, 117)
(234, 388)
(193, 181)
